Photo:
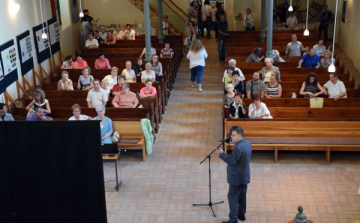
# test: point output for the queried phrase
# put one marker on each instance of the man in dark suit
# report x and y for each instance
(238, 173)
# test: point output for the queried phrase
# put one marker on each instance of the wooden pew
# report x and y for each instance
(299, 135)
(300, 76)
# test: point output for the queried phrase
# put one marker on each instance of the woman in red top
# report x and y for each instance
(102, 62)
(148, 90)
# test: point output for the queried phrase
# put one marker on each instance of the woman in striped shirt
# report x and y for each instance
(273, 89)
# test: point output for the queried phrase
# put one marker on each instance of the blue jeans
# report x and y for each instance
(197, 74)
(222, 48)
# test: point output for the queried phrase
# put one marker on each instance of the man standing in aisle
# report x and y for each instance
(326, 19)
(238, 173)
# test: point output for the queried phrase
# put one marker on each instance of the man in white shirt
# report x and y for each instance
(96, 96)
(335, 88)
(129, 33)
(206, 18)
(91, 42)
(291, 21)
(232, 63)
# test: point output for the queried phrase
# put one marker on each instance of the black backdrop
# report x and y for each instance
(51, 172)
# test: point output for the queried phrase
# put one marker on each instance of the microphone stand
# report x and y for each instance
(210, 204)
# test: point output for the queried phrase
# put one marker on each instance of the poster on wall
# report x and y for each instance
(2, 81)
(41, 45)
(8, 62)
(25, 51)
(54, 34)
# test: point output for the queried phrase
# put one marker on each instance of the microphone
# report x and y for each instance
(225, 140)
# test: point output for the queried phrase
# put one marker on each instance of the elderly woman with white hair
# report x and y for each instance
(230, 96)
(106, 128)
(269, 69)
(232, 63)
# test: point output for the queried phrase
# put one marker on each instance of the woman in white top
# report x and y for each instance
(112, 78)
(118, 33)
(68, 63)
(77, 116)
(320, 48)
(129, 73)
(291, 21)
(197, 54)
(147, 74)
(65, 83)
(129, 33)
(258, 109)
(249, 20)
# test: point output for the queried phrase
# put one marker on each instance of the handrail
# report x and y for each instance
(184, 20)
(177, 7)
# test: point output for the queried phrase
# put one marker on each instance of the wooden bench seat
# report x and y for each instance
(299, 135)
(305, 102)
(131, 136)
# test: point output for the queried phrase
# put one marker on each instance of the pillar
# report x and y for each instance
(147, 30)
(263, 21)
(270, 7)
(160, 15)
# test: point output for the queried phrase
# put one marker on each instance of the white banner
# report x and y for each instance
(54, 33)
(8, 57)
(1, 73)
(26, 48)
(43, 44)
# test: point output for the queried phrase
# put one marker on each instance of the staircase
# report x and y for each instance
(177, 17)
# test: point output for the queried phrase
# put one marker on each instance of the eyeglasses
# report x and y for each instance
(232, 135)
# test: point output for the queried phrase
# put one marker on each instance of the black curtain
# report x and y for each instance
(51, 172)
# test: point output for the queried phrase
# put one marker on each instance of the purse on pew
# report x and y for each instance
(116, 137)
(316, 102)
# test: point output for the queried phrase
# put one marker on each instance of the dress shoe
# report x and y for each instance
(230, 221)
(241, 217)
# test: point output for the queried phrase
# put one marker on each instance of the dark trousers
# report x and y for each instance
(207, 25)
(214, 25)
(237, 201)
(222, 48)
(324, 28)
(250, 28)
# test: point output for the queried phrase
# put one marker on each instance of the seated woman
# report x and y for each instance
(273, 89)
(80, 63)
(156, 66)
(110, 39)
(106, 128)
(77, 116)
(129, 73)
(112, 78)
(228, 77)
(239, 86)
(326, 61)
(167, 52)
(118, 33)
(229, 97)
(39, 101)
(102, 62)
(85, 81)
(238, 107)
(139, 66)
(232, 63)
(308, 88)
(147, 74)
(68, 63)
(269, 69)
(104, 85)
(152, 50)
(255, 56)
(126, 98)
(320, 48)
(65, 84)
(257, 109)
(148, 90)
(117, 87)
(129, 33)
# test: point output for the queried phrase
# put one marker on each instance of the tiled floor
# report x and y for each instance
(163, 188)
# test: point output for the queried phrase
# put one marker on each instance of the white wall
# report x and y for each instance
(113, 11)
(28, 17)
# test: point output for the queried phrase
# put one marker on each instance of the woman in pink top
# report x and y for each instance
(126, 98)
(79, 63)
(148, 90)
(102, 62)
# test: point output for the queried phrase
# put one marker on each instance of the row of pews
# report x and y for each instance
(295, 126)
(153, 108)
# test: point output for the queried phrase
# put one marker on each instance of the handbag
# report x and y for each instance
(316, 102)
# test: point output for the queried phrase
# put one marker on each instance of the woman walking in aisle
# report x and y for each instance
(197, 54)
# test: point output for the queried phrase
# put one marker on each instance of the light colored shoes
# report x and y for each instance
(200, 90)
